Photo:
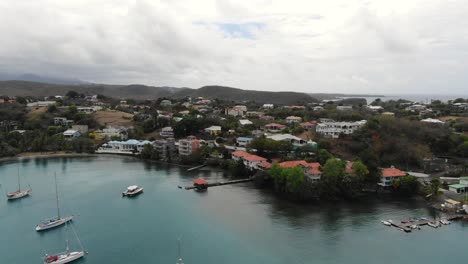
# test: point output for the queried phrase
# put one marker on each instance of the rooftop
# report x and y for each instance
(392, 172)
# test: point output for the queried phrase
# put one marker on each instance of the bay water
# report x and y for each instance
(227, 224)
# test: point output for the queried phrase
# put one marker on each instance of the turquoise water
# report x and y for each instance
(227, 224)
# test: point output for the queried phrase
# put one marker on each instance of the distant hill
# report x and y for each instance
(239, 95)
(141, 92)
(38, 78)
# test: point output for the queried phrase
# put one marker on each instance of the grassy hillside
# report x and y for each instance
(24, 88)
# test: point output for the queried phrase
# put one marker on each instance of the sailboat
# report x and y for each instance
(67, 256)
(19, 193)
(59, 220)
(179, 260)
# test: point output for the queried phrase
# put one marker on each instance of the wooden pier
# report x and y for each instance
(407, 226)
(219, 183)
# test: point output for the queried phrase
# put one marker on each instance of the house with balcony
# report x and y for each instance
(166, 148)
(188, 146)
(167, 132)
(335, 129)
(389, 175)
(293, 119)
(213, 130)
(250, 161)
(243, 141)
(274, 127)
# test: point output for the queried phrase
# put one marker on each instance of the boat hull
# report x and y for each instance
(134, 193)
(54, 224)
(18, 195)
(66, 258)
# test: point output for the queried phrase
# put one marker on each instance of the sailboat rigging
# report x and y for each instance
(19, 193)
(67, 256)
(57, 221)
(179, 260)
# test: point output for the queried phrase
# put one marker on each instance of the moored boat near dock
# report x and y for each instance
(132, 191)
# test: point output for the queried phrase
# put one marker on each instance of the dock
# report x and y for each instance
(219, 183)
(197, 167)
(407, 226)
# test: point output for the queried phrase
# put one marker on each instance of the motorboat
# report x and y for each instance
(386, 223)
(133, 190)
(433, 224)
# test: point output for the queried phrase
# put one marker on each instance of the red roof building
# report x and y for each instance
(389, 175)
(200, 181)
(349, 167)
(275, 127)
(308, 125)
(251, 161)
(311, 169)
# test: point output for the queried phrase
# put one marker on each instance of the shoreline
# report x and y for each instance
(51, 154)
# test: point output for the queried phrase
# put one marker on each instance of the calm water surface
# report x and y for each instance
(228, 224)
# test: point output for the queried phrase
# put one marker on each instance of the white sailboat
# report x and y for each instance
(57, 221)
(19, 193)
(67, 256)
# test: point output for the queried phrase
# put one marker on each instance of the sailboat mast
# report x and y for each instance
(19, 181)
(179, 260)
(56, 196)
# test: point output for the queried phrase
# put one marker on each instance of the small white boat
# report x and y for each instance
(414, 227)
(445, 222)
(423, 218)
(57, 221)
(386, 223)
(19, 193)
(133, 190)
(433, 224)
(67, 256)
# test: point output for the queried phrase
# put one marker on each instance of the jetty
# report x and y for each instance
(407, 226)
(197, 167)
(202, 184)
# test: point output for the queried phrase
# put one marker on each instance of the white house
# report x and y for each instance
(268, 106)
(71, 133)
(131, 146)
(433, 121)
(375, 108)
(213, 130)
(344, 108)
(243, 141)
(167, 132)
(293, 119)
(244, 122)
(296, 141)
(334, 129)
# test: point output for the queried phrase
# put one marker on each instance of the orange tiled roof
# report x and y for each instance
(275, 125)
(392, 172)
(264, 164)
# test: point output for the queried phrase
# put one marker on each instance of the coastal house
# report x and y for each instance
(213, 130)
(245, 122)
(344, 107)
(461, 187)
(120, 147)
(243, 141)
(375, 108)
(167, 132)
(293, 119)
(250, 161)
(309, 125)
(238, 110)
(274, 127)
(295, 141)
(334, 129)
(71, 133)
(311, 170)
(389, 175)
(111, 132)
(188, 146)
(62, 121)
(318, 108)
(165, 148)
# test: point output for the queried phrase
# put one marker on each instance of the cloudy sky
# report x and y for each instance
(350, 46)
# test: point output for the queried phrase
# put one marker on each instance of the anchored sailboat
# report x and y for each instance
(19, 193)
(59, 220)
(179, 260)
(67, 256)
